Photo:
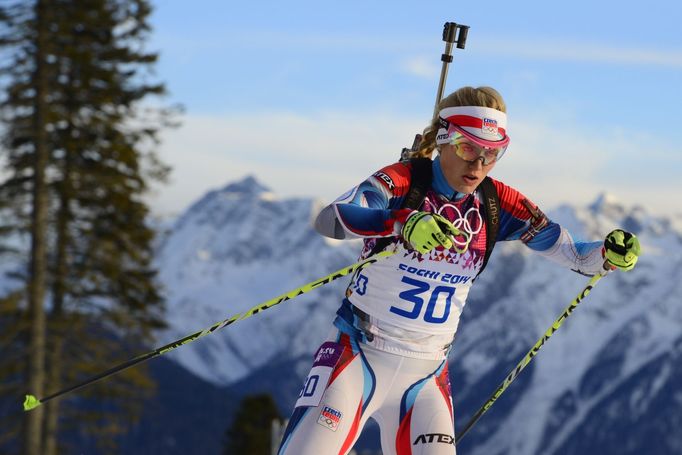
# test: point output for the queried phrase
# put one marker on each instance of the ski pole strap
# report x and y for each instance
(529, 356)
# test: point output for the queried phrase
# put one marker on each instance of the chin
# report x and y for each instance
(466, 188)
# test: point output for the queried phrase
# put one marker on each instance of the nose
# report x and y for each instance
(478, 162)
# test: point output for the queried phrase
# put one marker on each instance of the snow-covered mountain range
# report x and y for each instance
(609, 381)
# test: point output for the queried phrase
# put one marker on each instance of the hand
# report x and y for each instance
(621, 249)
(425, 231)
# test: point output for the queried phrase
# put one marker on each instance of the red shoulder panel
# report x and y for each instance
(395, 177)
(510, 200)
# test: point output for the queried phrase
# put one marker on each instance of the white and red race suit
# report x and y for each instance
(400, 314)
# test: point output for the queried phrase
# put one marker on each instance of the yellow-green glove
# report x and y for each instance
(621, 249)
(425, 231)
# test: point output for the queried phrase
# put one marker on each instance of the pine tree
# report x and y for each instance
(250, 431)
(28, 142)
(104, 302)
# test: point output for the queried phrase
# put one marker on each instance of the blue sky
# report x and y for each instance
(311, 97)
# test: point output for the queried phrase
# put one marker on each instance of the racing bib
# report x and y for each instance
(315, 384)
(426, 296)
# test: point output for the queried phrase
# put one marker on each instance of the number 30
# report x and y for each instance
(412, 295)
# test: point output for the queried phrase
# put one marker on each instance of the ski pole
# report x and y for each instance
(450, 36)
(529, 356)
(31, 402)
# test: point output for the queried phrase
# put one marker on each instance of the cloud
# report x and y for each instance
(581, 52)
(421, 66)
(208, 41)
(318, 155)
(324, 154)
(212, 39)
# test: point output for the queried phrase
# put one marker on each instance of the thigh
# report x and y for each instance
(333, 426)
(422, 421)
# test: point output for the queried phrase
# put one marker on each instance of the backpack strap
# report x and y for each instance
(421, 175)
(420, 181)
(491, 207)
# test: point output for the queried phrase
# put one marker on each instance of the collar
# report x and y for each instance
(441, 185)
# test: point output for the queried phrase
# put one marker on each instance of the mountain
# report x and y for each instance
(608, 382)
(235, 248)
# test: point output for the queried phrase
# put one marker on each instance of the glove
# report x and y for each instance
(425, 231)
(621, 249)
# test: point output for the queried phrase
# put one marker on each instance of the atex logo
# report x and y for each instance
(434, 437)
(386, 178)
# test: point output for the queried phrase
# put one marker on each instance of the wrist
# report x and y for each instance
(400, 217)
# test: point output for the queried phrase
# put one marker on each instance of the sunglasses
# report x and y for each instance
(468, 150)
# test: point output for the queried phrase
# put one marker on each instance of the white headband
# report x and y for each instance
(483, 123)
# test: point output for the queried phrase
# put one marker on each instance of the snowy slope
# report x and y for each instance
(614, 358)
(233, 249)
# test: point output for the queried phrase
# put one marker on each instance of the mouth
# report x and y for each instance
(470, 178)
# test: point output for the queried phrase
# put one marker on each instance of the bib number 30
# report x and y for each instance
(414, 296)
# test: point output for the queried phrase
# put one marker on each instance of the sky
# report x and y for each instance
(313, 97)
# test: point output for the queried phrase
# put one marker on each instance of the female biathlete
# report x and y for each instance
(387, 355)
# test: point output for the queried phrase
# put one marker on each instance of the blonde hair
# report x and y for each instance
(465, 96)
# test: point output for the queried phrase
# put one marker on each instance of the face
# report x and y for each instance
(464, 176)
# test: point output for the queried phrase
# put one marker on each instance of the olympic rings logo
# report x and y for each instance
(470, 223)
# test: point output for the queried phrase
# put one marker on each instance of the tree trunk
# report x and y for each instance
(58, 321)
(33, 437)
(54, 384)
